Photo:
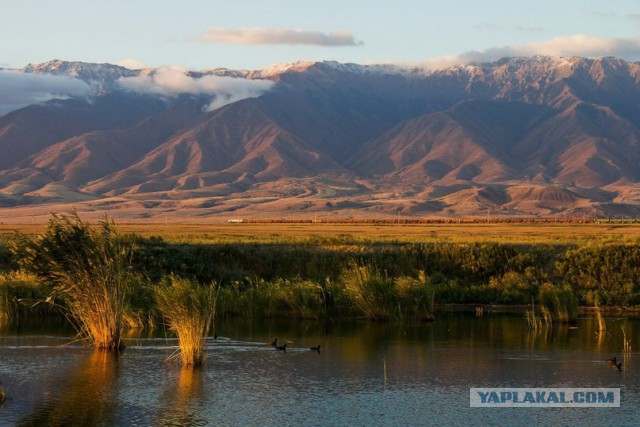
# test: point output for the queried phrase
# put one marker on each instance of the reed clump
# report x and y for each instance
(89, 269)
(380, 297)
(415, 297)
(560, 303)
(370, 291)
(302, 299)
(533, 319)
(189, 309)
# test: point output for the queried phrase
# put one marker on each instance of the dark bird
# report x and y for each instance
(315, 348)
(614, 364)
(281, 347)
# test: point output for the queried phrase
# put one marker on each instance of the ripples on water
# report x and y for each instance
(430, 368)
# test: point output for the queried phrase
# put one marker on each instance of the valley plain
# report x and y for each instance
(330, 233)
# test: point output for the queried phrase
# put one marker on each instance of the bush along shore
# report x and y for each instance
(73, 265)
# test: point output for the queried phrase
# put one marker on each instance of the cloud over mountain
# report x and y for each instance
(573, 45)
(171, 82)
(20, 89)
(275, 36)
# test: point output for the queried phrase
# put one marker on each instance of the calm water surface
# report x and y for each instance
(429, 370)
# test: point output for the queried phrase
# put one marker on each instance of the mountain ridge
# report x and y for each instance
(532, 136)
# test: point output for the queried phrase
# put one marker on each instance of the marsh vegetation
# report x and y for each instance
(188, 309)
(105, 281)
(88, 270)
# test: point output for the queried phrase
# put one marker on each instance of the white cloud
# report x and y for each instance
(283, 36)
(21, 89)
(170, 82)
(575, 45)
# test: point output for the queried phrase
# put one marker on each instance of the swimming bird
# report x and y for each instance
(281, 347)
(315, 348)
(614, 364)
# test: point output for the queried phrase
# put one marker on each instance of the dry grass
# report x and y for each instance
(20, 295)
(188, 309)
(532, 318)
(560, 303)
(89, 267)
(370, 290)
(217, 232)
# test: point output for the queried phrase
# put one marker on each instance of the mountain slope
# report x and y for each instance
(520, 136)
(237, 140)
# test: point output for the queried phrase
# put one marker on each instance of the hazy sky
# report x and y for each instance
(249, 34)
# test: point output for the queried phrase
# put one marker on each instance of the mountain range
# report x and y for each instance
(537, 136)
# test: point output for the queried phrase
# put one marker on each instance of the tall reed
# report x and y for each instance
(532, 319)
(369, 290)
(90, 270)
(560, 302)
(414, 297)
(189, 310)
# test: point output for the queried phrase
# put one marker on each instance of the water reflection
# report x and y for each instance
(429, 369)
(181, 400)
(87, 398)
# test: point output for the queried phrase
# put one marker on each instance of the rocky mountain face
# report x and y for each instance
(518, 137)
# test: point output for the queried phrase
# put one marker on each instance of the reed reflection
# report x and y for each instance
(182, 399)
(87, 398)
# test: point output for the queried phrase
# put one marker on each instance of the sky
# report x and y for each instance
(200, 34)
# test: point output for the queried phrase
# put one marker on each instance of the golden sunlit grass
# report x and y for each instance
(20, 293)
(370, 291)
(89, 267)
(367, 233)
(188, 309)
(381, 297)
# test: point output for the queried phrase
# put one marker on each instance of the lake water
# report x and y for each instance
(368, 373)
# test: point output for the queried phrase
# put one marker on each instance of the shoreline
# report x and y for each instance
(500, 308)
